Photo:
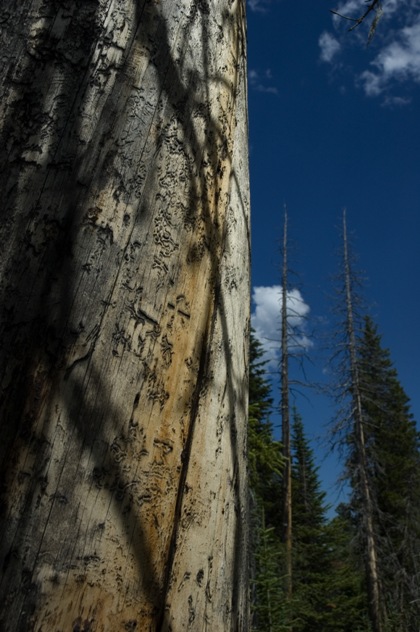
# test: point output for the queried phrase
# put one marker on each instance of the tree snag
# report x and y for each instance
(124, 266)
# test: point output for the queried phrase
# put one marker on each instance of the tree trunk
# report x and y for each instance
(124, 315)
(370, 540)
(285, 421)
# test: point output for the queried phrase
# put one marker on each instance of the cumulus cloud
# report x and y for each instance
(354, 9)
(329, 46)
(398, 61)
(266, 321)
(397, 42)
(261, 81)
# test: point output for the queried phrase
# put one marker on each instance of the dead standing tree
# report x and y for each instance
(355, 435)
(124, 268)
(285, 417)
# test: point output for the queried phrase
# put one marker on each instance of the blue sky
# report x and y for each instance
(335, 123)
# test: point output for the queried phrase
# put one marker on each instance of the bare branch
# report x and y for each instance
(375, 6)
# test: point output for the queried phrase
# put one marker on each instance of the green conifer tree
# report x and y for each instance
(329, 588)
(264, 454)
(265, 465)
(270, 607)
(394, 464)
(346, 605)
(311, 559)
(378, 433)
(351, 429)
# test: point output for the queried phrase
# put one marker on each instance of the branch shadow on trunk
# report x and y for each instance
(39, 289)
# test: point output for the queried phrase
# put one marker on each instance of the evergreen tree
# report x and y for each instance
(259, 386)
(394, 462)
(351, 431)
(329, 590)
(382, 466)
(265, 465)
(329, 586)
(310, 551)
(346, 605)
(264, 454)
(269, 603)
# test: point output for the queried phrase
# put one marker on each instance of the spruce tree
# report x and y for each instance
(351, 431)
(329, 585)
(264, 454)
(394, 462)
(379, 436)
(346, 605)
(310, 549)
(269, 606)
(265, 465)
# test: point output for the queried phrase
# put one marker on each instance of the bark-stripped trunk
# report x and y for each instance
(124, 315)
(285, 419)
(371, 553)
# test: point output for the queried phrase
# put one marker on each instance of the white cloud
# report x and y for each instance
(356, 8)
(396, 40)
(259, 82)
(266, 321)
(329, 46)
(394, 102)
(253, 76)
(398, 61)
(260, 6)
(349, 9)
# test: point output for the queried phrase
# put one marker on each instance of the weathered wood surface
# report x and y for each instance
(124, 261)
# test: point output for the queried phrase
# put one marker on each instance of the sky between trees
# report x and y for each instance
(333, 124)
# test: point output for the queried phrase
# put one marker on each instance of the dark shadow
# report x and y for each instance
(38, 260)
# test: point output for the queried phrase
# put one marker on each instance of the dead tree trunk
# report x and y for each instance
(124, 315)
(285, 418)
(371, 544)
